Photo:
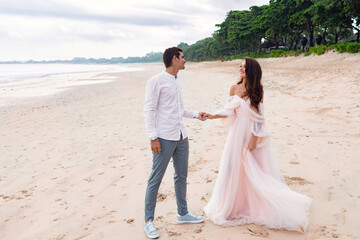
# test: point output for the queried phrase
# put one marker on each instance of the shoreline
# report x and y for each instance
(33, 71)
(75, 165)
(20, 90)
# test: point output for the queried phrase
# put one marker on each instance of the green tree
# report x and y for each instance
(305, 14)
(332, 16)
(241, 30)
(274, 21)
(183, 45)
(352, 7)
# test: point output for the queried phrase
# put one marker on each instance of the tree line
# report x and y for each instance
(285, 24)
(150, 57)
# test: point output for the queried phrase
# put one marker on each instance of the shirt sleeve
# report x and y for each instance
(150, 106)
(190, 114)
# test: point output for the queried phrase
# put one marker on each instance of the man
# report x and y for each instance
(164, 112)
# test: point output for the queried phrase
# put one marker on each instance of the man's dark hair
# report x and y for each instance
(169, 53)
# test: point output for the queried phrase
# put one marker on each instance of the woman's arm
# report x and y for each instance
(252, 142)
(210, 116)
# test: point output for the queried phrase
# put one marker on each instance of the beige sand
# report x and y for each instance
(74, 165)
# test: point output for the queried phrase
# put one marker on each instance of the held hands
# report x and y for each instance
(203, 116)
(209, 116)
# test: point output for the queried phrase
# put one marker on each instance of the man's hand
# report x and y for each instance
(155, 145)
(201, 116)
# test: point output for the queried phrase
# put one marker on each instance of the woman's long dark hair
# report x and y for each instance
(253, 86)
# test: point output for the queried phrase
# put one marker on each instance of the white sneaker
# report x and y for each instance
(189, 218)
(150, 230)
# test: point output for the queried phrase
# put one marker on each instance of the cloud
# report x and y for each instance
(63, 29)
(235, 4)
(43, 9)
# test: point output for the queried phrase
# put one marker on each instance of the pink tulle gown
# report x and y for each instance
(249, 187)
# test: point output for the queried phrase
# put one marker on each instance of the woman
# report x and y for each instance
(249, 187)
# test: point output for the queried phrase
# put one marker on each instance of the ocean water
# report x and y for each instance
(16, 72)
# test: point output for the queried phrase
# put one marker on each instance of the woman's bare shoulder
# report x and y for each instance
(238, 89)
(233, 89)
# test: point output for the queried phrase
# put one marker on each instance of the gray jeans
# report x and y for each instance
(179, 151)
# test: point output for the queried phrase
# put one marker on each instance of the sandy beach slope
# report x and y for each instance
(74, 164)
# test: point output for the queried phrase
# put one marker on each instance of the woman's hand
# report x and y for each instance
(252, 143)
(209, 116)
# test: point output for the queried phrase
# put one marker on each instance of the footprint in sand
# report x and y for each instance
(336, 173)
(330, 193)
(341, 216)
(208, 180)
(296, 180)
(161, 197)
(159, 219)
(129, 221)
(25, 193)
(323, 232)
(294, 162)
(172, 234)
(258, 231)
(89, 179)
(198, 230)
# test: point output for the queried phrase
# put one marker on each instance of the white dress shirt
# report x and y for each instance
(163, 109)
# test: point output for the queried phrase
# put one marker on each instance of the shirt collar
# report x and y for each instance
(169, 76)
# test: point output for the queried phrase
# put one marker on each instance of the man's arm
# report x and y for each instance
(150, 106)
(194, 114)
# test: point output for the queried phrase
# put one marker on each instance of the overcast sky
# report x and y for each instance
(64, 29)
